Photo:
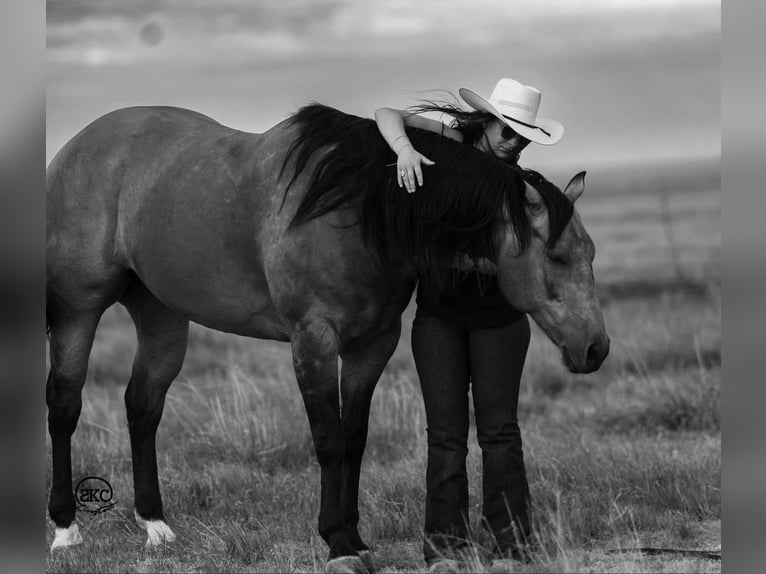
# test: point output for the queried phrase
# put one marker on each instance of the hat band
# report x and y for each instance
(527, 125)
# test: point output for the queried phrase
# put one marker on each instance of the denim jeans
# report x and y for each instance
(453, 357)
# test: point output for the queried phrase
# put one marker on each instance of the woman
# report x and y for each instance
(471, 338)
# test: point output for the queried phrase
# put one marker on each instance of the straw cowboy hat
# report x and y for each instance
(516, 104)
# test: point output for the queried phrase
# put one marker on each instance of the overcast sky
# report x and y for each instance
(631, 80)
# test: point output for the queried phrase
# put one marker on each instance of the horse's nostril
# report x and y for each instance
(593, 357)
(597, 352)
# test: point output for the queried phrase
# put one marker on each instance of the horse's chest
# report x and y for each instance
(374, 309)
(360, 299)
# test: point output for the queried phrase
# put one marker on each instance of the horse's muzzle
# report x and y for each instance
(591, 359)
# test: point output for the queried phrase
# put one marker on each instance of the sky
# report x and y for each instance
(633, 81)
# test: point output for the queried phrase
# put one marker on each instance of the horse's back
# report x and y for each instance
(120, 145)
(118, 150)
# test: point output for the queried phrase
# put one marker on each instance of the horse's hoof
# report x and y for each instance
(346, 565)
(68, 536)
(157, 531)
(366, 557)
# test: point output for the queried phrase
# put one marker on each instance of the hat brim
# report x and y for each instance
(535, 134)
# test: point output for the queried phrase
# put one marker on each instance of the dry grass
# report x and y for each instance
(626, 457)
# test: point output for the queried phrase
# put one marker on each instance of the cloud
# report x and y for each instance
(91, 32)
(627, 78)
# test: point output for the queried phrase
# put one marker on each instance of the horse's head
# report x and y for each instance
(554, 283)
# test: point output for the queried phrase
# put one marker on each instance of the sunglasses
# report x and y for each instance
(508, 132)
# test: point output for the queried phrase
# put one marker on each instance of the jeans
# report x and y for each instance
(451, 357)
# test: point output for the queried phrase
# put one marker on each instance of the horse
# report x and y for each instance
(299, 234)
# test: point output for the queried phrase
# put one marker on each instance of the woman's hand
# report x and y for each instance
(408, 167)
(463, 262)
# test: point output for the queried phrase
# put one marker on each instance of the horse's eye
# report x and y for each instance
(557, 259)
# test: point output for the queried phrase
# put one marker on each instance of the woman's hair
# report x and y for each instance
(471, 123)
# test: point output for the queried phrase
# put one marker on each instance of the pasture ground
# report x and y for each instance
(626, 457)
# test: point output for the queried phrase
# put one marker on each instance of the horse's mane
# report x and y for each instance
(464, 194)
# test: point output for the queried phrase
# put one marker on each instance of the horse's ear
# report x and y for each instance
(534, 199)
(575, 187)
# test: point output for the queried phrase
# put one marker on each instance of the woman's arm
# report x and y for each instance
(391, 123)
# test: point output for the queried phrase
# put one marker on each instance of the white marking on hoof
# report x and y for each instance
(158, 532)
(68, 536)
(366, 557)
(345, 565)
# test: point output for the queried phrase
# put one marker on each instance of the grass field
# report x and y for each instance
(625, 457)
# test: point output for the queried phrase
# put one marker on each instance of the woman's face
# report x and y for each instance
(502, 141)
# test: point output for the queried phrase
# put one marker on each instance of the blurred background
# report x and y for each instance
(631, 80)
(631, 453)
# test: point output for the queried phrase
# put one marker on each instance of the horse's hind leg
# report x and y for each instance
(71, 338)
(162, 338)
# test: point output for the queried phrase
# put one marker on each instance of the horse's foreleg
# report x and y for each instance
(360, 372)
(315, 357)
(162, 338)
(71, 339)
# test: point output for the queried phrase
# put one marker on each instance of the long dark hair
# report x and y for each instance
(457, 210)
(471, 123)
